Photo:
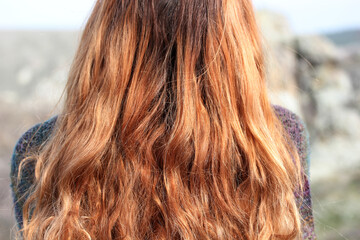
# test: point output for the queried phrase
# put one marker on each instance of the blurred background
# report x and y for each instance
(313, 56)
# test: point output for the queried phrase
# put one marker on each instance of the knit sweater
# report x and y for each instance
(39, 133)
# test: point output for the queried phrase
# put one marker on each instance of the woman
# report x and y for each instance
(166, 133)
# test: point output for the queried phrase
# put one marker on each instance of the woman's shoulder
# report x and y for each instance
(34, 136)
(296, 128)
(289, 118)
(292, 122)
(30, 141)
(298, 131)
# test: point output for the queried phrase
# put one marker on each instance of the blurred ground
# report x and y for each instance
(317, 77)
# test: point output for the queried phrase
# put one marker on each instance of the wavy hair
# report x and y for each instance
(167, 131)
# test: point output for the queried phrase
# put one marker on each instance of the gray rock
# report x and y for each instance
(274, 27)
(317, 49)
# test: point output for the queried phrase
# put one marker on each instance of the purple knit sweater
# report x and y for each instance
(39, 133)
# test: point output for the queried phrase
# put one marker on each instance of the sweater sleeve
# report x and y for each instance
(298, 132)
(29, 142)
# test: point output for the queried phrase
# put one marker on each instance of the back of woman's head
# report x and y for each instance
(167, 131)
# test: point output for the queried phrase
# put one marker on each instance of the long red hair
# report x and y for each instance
(167, 131)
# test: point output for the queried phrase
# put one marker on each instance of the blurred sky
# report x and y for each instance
(305, 16)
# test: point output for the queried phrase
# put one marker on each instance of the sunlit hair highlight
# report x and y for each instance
(167, 131)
